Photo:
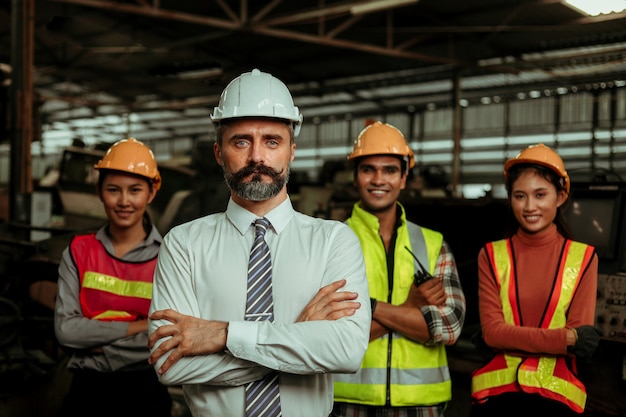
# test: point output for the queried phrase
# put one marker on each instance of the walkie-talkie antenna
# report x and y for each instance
(420, 276)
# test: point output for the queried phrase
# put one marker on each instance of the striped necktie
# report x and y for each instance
(262, 396)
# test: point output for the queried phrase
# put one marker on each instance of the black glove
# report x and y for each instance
(587, 341)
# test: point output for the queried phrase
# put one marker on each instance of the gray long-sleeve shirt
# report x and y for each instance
(75, 331)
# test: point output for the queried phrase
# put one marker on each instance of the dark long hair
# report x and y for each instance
(549, 175)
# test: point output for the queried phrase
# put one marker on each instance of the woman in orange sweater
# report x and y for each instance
(537, 294)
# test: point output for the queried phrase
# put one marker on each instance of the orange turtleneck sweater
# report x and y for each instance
(537, 259)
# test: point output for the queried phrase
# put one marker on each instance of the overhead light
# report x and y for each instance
(189, 70)
(200, 74)
(375, 6)
(597, 7)
(5, 74)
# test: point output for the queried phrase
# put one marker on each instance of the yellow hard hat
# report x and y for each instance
(133, 156)
(543, 155)
(382, 139)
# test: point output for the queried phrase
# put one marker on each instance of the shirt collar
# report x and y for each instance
(154, 237)
(545, 237)
(279, 216)
(372, 221)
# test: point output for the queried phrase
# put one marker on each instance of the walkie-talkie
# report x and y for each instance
(421, 276)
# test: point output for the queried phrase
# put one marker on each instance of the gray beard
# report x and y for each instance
(256, 190)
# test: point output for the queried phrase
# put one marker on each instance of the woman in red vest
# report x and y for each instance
(104, 293)
(537, 294)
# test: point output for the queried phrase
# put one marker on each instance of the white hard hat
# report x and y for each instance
(257, 94)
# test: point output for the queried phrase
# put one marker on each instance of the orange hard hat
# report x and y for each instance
(543, 155)
(133, 156)
(382, 139)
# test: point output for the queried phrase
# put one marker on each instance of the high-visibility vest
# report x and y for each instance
(551, 377)
(417, 374)
(111, 289)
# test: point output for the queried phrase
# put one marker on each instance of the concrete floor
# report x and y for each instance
(40, 394)
(43, 398)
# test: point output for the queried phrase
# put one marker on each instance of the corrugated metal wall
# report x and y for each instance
(587, 128)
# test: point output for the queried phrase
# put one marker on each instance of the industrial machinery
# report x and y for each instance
(597, 215)
(64, 203)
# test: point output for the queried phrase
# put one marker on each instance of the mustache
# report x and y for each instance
(254, 168)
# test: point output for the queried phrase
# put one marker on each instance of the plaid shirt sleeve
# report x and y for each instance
(445, 322)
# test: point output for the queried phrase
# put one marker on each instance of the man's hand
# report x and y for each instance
(189, 336)
(430, 292)
(330, 304)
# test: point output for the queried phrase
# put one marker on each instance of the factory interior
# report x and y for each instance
(470, 83)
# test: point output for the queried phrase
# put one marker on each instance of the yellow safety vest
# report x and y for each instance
(549, 376)
(416, 374)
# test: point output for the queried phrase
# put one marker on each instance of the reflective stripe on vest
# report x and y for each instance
(549, 377)
(416, 372)
(111, 289)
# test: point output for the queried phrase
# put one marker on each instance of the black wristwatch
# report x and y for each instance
(373, 302)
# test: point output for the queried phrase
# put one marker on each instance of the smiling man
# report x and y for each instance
(417, 302)
(231, 332)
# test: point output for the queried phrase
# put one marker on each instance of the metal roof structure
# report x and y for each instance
(104, 69)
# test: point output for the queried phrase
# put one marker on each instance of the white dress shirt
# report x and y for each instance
(202, 272)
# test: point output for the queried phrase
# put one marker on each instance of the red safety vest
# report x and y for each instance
(551, 377)
(111, 289)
